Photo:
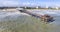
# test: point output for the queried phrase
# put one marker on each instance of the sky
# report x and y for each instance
(29, 3)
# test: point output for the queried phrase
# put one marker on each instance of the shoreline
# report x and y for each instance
(42, 9)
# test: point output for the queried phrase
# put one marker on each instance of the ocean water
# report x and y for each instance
(21, 22)
(55, 14)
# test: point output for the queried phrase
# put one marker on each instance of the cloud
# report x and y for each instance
(9, 3)
(40, 2)
(29, 3)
